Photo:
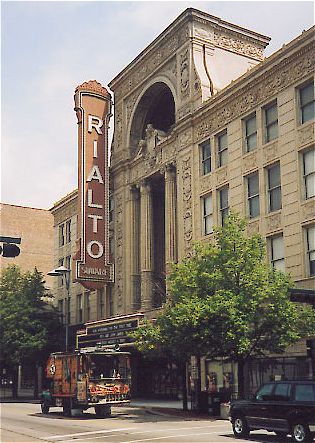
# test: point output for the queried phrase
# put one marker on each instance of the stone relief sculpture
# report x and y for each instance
(149, 147)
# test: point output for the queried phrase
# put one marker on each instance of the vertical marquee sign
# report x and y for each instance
(93, 108)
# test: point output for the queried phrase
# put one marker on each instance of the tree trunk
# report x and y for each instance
(36, 382)
(198, 384)
(184, 388)
(241, 377)
(15, 382)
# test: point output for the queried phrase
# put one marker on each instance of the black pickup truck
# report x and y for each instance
(284, 407)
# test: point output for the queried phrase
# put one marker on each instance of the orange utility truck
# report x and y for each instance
(92, 377)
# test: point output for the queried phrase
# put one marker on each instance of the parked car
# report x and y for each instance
(284, 407)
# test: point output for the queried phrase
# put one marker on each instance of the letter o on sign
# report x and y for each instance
(100, 248)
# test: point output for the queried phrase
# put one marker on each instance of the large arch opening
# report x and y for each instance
(157, 108)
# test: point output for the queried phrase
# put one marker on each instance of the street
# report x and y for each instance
(24, 423)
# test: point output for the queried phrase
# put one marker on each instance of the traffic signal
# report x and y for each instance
(9, 250)
(310, 346)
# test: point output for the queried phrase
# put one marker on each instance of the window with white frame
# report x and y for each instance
(253, 195)
(207, 212)
(310, 245)
(309, 172)
(68, 231)
(61, 235)
(79, 308)
(224, 203)
(205, 154)
(277, 252)
(306, 102)
(271, 122)
(250, 129)
(274, 188)
(222, 145)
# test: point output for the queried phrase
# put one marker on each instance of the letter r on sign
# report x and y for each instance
(95, 122)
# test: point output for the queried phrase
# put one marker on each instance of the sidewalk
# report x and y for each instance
(151, 406)
(171, 407)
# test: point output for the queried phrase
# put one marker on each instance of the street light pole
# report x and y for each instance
(64, 272)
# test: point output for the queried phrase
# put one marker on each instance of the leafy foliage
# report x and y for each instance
(226, 300)
(29, 326)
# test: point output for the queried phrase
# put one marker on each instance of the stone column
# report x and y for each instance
(135, 248)
(170, 217)
(146, 246)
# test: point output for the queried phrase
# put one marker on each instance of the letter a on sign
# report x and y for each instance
(93, 108)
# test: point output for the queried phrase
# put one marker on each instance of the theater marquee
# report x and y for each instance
(93, 108)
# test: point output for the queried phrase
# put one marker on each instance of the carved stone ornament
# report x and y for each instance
(184, 110)
(187, 205)
(259, 91)
(185, 138)
(206, 183)
(306, 134)
(274, 222)
(270, 152)
(184, 73)
(142, 70)
(221, 175)
(130, 103)
(253, 227)
(119, 253)
(229, 41)
(150, 148)
(250, 161)
(118, 125)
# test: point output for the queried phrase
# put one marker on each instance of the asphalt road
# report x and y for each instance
(24, 423)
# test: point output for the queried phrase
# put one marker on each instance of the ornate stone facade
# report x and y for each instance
(182, 58)
(168, 101)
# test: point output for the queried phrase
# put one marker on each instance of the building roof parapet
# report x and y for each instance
(64, 200)
(217, 38)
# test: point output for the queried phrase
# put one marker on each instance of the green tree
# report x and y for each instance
(30, 326)
(226, 301)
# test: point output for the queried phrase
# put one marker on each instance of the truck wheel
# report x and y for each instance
(301, 432)
(240, 427)
(103, 411)
(44, 408)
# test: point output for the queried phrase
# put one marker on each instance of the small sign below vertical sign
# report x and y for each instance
(93, 108)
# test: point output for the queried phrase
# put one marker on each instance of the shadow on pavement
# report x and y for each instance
(132, 414)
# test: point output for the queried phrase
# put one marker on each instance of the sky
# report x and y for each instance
(50, 47)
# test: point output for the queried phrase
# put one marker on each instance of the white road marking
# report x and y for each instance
(80, 434)
(170, 436)
(143, 432)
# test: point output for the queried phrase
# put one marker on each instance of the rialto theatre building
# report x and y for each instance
(203, 124)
